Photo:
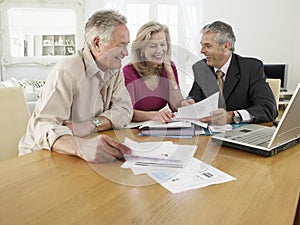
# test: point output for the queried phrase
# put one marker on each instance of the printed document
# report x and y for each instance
(196, 174)
(157, 154)
(200, 109)
(172, 166)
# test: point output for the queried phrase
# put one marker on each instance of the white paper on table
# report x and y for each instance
(163, 155)
(178, 160)
(137, 170)
(157, 124)
(197, 122)
(200, 109)
(160, 150)
(133, 125)
(143, 123)
(196, 174)
(175, 124)
(218, 129)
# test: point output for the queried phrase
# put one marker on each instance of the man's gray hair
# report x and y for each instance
(224, 33)
(101, 24)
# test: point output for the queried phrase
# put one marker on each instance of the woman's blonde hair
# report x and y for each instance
(141, 41)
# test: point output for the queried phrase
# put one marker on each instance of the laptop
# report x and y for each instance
(263, 140)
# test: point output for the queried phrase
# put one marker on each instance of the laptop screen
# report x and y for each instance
(289, 125)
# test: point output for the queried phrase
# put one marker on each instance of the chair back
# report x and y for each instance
(275, 87)
(14, 116)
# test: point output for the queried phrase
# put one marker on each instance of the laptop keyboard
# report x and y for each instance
(256, 137)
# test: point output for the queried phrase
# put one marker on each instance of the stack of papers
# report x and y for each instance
(186, 122)
(171, 165)
(180, 128)
(157, 155)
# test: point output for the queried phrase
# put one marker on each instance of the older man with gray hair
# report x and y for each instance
(245, 96)
(85, 93)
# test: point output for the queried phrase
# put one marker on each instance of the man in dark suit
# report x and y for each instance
(244, 94)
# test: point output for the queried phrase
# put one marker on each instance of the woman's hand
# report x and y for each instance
(167, 66)
(164, 116)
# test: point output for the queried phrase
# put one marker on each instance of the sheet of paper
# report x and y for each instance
(157, 154)
(200, 109)
(196, 174)
(146, 170)
(169, 136)
(175, 124)
(218, 129)
(133, 125)
(197, 122)
(172, 166)
(157, 124)
(160, 150)
(144, 123)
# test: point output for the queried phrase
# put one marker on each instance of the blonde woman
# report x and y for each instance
(151, 78)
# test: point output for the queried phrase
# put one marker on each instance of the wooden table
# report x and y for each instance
(48, 188)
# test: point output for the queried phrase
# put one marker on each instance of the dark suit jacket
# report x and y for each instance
(245, 87)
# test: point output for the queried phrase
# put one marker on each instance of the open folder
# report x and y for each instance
(187, 121)
(179, 128)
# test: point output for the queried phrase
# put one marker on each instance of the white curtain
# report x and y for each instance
(191, 11)
(188, 49)
(192, 15)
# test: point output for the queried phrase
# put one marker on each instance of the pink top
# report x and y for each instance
(141, 96)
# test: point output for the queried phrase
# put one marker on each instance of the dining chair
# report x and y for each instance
(275, 87)
(14, 116)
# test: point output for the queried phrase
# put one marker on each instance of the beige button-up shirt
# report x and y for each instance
(76, 90)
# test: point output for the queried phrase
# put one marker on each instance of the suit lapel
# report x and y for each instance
(232, 77)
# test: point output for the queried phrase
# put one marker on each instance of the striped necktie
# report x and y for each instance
(220, 80)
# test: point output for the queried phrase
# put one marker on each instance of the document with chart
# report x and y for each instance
(196, 174)
(173, 166)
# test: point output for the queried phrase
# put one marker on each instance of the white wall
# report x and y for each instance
(266, 29)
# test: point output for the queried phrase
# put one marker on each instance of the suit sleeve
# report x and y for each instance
(264, 107)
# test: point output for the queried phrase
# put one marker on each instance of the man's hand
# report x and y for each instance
(188, 102)
(81, 129)
(101, 149)
(218, 117)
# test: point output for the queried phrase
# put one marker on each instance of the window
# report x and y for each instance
(137, 15)
(182, 18)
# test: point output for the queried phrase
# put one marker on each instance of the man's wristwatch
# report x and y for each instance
(97, 123)
(236, 117)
